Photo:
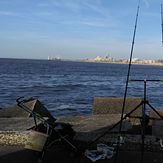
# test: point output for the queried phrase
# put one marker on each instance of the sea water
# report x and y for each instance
(68, 88)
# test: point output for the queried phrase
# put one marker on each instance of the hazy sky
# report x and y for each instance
(75, 29)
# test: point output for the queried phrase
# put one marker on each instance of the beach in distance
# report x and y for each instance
(68, 88)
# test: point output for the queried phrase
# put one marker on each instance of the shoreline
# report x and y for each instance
(144, 64)
(87, 61)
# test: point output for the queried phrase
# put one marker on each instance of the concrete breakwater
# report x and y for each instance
(13, 127)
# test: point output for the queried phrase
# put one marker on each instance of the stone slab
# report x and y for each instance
(113, 105)
(16, 124)
(31, 104)
(94, 122)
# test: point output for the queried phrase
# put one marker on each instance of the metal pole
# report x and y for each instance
(127, 81)
(143, 121)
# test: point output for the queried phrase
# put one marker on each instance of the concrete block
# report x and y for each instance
(33, 104)
(112, 105)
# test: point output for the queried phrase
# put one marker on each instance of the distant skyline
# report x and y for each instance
(77, 29)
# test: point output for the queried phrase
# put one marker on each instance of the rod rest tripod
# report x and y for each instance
(144, 118)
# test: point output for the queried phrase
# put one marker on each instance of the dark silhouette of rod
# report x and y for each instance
(127, 81)
(162, 22)
(125, 94)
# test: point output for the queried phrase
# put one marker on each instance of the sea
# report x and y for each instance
(67, 88)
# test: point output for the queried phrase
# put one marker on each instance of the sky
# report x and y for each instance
(78, 29)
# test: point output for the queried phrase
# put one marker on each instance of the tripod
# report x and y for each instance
(143, 118)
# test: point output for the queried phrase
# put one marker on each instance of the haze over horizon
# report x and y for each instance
(77, 29)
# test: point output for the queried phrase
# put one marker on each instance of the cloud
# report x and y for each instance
(94, 24)
(43, 13)
(79, 6)
(146, 3)
(95, 7)
(98, 15)
(8, 13)
(98, 23)
(43, 4)
(71, 5)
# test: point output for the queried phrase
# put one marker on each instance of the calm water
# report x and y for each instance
(68, 88)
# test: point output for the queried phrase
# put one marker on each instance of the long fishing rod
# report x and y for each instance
(127, 81)
(162, 22)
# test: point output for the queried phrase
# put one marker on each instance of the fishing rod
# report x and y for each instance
(162, 22)
(127, 81)
(125, 94)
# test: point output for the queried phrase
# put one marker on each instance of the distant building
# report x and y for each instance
(53, 58)
(135, 59)
(103, 59)
(108, 59)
